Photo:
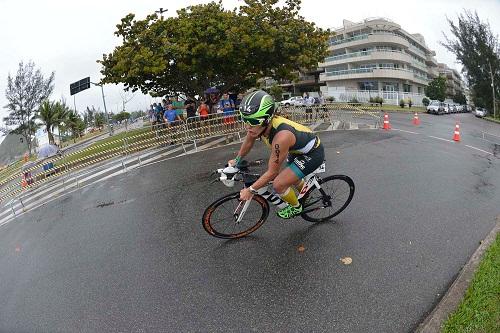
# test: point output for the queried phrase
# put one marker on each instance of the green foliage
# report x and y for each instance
(426, 101)
(276, 91)
(25, 92)
(121, 116)
(436, 90)
(460, 98)
(476, 47)
(354, 100)
(402, 103)
(379, 100)
(206, 45)
(330, 99)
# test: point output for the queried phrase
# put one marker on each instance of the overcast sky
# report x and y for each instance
(69, 36)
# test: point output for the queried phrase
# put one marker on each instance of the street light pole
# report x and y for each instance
(493, 91)
(105, 110)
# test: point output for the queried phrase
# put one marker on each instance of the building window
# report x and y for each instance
(390, 86)
(406, 88)
(419, 90)
(368, 85)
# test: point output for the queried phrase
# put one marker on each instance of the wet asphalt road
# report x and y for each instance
(129, 254)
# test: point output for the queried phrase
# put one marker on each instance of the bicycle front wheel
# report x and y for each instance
(333, 197)
(228, 218)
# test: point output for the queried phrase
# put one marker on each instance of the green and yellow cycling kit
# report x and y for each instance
(307, 154)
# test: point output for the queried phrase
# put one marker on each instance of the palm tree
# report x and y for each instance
(49, 115)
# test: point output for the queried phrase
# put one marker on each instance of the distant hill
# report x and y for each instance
(11, 149)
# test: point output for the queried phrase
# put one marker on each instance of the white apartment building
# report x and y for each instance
(454, 83)
(377, 57)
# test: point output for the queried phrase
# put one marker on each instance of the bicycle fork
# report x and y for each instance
(272, 198)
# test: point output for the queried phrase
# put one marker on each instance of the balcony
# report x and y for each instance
(306, 79)
(367, 39)
(373, 73)
(367, 56)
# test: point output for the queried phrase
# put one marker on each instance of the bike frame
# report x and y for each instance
(309, 182)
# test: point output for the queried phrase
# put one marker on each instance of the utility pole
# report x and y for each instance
(493, 91)
(105, 110)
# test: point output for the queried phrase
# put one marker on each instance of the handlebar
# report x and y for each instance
(230, 174)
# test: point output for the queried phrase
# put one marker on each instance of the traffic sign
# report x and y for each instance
(78, 86)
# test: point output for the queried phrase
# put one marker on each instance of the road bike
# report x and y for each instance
(230, 218)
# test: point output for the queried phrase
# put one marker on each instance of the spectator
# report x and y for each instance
(309, 101)
(227, 106)
(152, 115)
(171, 119)
(159, 114)
(190, 106)
(178, 107)
(204, 124)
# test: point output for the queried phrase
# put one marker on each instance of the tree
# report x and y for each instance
(207, 46)
(425, 101)
(25, 93)
(122, 116)
(437, 89)
(100, 119)
(48, 113)
(477, 48)
(75, 124)
(460, 98)
(276, 91)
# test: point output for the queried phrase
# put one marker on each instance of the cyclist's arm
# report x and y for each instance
(244, 149)
(279, 151)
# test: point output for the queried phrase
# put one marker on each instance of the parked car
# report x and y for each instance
(293, 101)
(435, 107)
(481, 112)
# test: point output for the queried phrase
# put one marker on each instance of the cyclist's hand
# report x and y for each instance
(245, 194)
(231, 162)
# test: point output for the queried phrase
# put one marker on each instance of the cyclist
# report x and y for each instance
(288, 140)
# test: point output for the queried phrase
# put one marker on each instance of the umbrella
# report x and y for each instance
(211, 90)
(47, 151)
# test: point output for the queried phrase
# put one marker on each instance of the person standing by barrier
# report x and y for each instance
(190, 107)
(152, 116)
(309, 101)
(171, 119)
(203, 111)
(227, 106)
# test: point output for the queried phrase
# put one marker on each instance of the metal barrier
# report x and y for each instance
(179, 132)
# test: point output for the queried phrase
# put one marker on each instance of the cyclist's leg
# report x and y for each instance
(282, 186)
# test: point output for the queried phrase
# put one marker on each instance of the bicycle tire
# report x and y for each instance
(218, 230)
(341, 181)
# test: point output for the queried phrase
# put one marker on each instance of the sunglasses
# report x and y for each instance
(252, 121)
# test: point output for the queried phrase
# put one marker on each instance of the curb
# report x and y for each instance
(455, 294)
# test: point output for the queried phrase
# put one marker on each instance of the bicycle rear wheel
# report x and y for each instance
(334, 196)
(220, 219)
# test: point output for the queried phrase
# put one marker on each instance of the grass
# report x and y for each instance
(480, 308)
(495, 120)
(396, 108)
(110, 143)
(13, 168)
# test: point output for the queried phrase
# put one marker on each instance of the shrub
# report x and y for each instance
(353, 100)
(425, 101)
(330, 99)
(379, 100)
(402, 103)
(372, 100)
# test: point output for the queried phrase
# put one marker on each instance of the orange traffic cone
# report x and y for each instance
(456, 136)
(387, 125)
(416, 121)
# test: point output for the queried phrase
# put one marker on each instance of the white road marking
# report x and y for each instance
(397, 129)
(484, 151)
(435, 137)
